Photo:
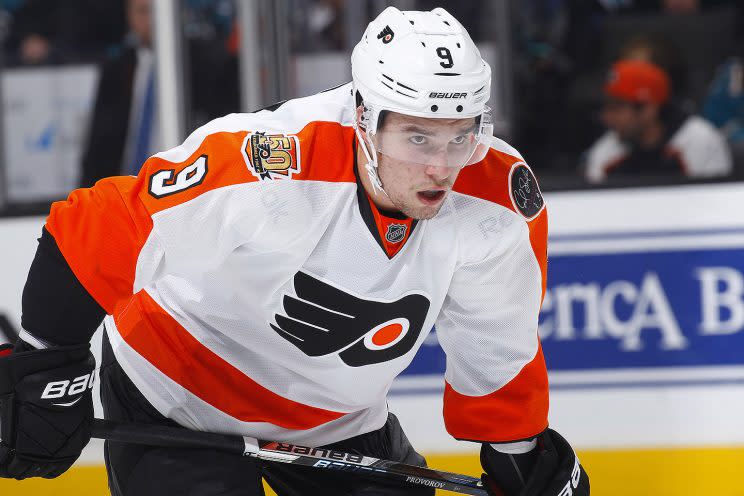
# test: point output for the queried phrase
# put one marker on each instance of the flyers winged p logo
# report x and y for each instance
(323, 319)
(386, 35)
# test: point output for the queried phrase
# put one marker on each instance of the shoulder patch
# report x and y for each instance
(272, 156)
(524, 192)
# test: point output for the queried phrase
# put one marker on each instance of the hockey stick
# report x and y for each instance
(375, 468)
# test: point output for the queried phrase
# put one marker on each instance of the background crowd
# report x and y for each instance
(605, 92)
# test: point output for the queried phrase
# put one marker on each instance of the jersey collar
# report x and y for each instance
(391, 230)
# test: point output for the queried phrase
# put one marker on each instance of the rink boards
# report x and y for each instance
(642, 328)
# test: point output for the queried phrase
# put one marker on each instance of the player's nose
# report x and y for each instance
(439, 172)
(438, 167)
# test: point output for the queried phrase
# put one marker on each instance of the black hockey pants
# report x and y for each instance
(136, 470)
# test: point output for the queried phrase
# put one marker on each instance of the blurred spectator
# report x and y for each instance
(318, 25)
(724, 107)
(660, 51)
(562, 50)
(688, 38)
(648, 137)
(69, 31)
(674, 7)
(208, 19)
(681, 6)
(124, 130)
(560, 93)
(555, 41)
(210, 49)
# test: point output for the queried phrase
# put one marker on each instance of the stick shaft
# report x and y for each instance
(367, 467)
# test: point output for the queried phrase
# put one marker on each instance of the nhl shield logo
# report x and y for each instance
(395, 233)
(386, 35)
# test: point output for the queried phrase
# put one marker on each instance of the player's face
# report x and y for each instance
(139, 15)
(418, 189)
(626, 119)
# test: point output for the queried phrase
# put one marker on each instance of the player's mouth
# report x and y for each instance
(431, 196)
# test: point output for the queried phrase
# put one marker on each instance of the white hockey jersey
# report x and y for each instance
(253, 288)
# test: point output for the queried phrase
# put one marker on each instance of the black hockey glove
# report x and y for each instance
(556, 470)
(46, 409)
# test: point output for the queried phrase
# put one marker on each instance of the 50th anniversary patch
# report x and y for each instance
(272, 156)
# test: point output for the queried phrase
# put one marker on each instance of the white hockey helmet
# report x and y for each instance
(422, 64)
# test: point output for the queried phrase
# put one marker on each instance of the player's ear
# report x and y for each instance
(359, 101)
(359, 120)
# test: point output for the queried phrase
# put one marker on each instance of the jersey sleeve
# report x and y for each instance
(496, 387)
(101, 230)
(56, 308)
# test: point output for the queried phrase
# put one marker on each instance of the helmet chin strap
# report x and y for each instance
(371, 164)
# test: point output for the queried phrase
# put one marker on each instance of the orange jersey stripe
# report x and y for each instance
(488, 179)
(162, 341)
(517, 411)
(100, 231)
(327, 149)
(539, 241)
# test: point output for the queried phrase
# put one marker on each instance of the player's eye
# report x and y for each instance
(459, 140)
(417, 139)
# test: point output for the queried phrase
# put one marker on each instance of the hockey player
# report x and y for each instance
(272, 275)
